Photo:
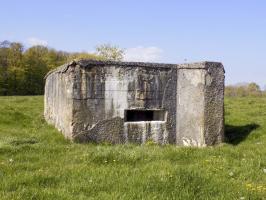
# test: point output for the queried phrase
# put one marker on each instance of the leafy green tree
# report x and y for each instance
(110, 52)
(230, 91)
(54, 58)
(4, 48)
(241, 91)
(253, 89)
(35, 69)
(83, 55)
(250, 89)
(15, 68)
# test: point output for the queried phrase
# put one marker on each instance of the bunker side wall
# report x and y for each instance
(214, 104)
(58, 102)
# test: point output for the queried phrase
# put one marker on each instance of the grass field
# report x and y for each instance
(36, 162)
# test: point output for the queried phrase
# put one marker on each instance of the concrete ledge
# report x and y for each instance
(92, 63)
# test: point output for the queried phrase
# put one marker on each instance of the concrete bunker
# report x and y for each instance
(121, 102)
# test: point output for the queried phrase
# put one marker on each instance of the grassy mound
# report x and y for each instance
(36, 162)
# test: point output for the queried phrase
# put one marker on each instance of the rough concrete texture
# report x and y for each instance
(121, 102)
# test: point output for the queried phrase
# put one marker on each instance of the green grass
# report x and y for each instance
(36, 162)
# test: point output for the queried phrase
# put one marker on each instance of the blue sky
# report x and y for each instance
(230, 31)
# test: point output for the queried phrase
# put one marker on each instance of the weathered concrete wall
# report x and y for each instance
(87, 100)
(190, 107)
(214, 104)
(102, 94)
(58, 100)
(200, 108)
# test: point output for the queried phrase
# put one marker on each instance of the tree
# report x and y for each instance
(230, 91)
(110, 52)
(253, 89)
(83, 55)
(249, 89)
(35, 64)
(15, 67)
(4, 48)
(53, 58)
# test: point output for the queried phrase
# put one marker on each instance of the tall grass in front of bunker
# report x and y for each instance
(36, 162)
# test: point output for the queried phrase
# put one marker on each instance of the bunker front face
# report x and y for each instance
(124, 102)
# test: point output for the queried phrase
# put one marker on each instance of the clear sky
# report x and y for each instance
(230, 31)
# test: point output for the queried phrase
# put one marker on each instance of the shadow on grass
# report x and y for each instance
(236, 134)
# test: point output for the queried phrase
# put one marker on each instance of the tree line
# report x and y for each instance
(243, 90)
(22, 70)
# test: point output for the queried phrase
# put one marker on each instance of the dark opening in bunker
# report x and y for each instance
(144, 115)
